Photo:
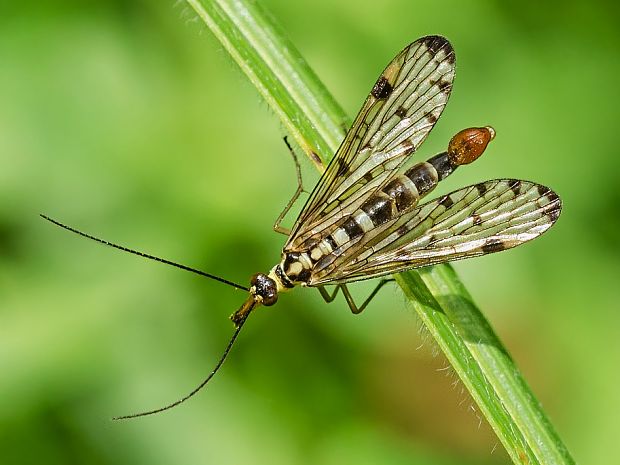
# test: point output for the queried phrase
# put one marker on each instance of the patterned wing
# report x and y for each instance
(476, 220)
(400, 111)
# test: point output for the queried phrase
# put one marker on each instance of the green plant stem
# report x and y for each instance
(316, 122)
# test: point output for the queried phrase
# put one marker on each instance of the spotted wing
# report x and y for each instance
(400, 111)
(476, 220)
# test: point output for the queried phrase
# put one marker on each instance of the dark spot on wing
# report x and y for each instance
(493, 245)
(515, 186)
(401, 112)
(542, 190)
(444, 86)
(476, 219)
(382, 88)
(554, 213)
(481, 188)
(408, 145)
(431, 118)
(551, 196)
(554, 207)
(436, 43)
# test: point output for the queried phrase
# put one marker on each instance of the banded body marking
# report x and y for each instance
(380, 210)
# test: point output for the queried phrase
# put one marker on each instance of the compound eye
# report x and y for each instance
(270, 299)
(266, 288)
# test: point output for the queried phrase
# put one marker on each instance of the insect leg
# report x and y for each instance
(349, 298)
(300, 188)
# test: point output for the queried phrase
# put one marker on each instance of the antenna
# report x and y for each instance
(144, 255)
(207, 379)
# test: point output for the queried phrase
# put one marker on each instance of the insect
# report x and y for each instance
(364, 219)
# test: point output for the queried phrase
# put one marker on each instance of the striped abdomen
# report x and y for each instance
(396, 198)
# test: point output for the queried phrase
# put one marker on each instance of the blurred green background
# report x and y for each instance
(127, 119)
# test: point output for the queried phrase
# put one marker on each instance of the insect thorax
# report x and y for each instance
(294, 269)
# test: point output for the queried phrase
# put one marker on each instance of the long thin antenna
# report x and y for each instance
(144, 255)
(201, 385)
